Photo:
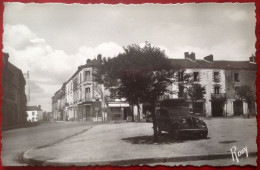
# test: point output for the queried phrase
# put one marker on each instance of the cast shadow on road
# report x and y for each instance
(164, 138)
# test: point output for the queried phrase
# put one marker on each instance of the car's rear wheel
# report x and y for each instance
(204, 134)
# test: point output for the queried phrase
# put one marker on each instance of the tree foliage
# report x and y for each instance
(245, 92)
(139, 74)
(196, 92)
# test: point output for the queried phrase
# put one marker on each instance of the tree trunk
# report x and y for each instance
(133, 116)
(138, 112)
(155, 134)
(247, 109)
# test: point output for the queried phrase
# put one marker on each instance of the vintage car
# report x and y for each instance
(178, 121)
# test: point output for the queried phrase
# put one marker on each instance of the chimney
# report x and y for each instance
(186, 55)
(252, 59)
(39, 107)
(209, 58)
(88, 60)
(99, 57)
(190, 56)
(5, 58)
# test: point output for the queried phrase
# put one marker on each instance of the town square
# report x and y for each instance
(123, 85)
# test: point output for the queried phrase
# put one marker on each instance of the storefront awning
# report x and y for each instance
(118, 105)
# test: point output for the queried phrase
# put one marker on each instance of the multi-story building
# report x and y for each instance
(84, 96)
(85, 99)
(14, 98)
(219, 99)
(237, 74)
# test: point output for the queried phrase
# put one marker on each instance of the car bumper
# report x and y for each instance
(193, 131)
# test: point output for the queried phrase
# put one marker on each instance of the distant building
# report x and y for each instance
(47, 116)
(34, 113)
(14, 98)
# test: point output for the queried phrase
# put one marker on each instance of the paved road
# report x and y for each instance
(216, 162)
(15, 142)
(134, 141)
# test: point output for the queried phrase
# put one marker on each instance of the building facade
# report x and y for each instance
(86, 100)
(220, 79)
(14, 98)
(34, 113)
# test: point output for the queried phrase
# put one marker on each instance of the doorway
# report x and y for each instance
(217, 108)
(238, 108)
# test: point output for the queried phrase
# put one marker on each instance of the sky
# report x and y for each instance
(52, 40)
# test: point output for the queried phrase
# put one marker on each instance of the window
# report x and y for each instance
(216, 77)
(75, 83)
(196, 76)
(87, 94)
(236, 89)
(87, 75)
(180, 75)
(88, 90)
(236, 77)
(216, 89)
(33, 113)
(181, 91)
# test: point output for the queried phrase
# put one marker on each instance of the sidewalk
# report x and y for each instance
(132, 143)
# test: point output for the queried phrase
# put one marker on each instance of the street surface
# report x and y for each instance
(134, 141)
(17, 141)
(216, 162)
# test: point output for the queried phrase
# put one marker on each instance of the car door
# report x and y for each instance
(164, 119)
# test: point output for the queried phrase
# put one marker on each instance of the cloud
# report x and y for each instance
(48, 67)
(17, 36)
(107, 49)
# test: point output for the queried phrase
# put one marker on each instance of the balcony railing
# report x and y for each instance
(218, 95)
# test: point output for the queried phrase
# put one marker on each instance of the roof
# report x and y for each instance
(18, 75)
(31, 108)
(221, 64)
(91, 63)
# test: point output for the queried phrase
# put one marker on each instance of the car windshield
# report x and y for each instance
(178, 112)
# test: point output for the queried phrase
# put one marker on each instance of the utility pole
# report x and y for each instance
(27, 86)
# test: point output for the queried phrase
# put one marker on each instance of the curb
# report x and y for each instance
(44, 161)
(34, 161)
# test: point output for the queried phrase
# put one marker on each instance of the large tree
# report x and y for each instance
(245, 92)
(139, 74)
